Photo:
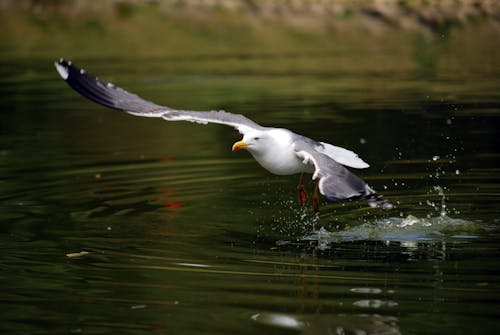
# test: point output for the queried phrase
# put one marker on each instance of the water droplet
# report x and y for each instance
(435, 158)
(457, 172)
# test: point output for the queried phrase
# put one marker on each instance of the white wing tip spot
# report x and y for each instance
(63, 71)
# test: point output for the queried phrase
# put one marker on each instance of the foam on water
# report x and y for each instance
(436, 226)
(395, 229)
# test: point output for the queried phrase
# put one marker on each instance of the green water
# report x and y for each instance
(186, 237)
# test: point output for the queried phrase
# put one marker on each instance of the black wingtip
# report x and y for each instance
(100, 91)
(377, 201)
(84, 83)
(66, 69)
(62, 67)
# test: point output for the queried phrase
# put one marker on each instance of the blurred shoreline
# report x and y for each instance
(38, 27)
(374, 16)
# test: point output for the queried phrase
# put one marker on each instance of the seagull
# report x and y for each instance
(278, 150)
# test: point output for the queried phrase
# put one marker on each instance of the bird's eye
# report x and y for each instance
(256, 138)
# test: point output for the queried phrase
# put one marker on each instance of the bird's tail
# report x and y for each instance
(376, 200)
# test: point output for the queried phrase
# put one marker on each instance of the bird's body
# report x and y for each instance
(278, 150)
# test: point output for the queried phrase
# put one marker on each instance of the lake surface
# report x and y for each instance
(111, 223)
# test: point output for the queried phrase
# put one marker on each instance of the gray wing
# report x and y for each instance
(338, 154)
(109, 95)
(336, 183)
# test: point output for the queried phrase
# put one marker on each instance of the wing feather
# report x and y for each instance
(112, 96)
(336, 182)
(342, 155)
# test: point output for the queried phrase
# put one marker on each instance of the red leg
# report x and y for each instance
(316, 197)
(301, 191)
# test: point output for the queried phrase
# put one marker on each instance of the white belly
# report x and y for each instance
(283, 162)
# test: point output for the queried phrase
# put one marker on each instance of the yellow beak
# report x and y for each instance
(239, 145)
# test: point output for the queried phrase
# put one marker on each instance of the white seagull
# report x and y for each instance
(278, 150)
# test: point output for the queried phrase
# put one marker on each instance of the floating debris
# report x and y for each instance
(77, 254)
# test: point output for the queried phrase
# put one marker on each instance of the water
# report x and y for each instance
(118, 224)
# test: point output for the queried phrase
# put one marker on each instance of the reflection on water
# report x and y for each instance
(117, 224)
(332, 324)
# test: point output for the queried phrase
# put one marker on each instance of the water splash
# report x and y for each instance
(395, 229)
(289, 219)
(442, 209)
(404, 229)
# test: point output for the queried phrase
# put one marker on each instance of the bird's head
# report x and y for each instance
(254, 141)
